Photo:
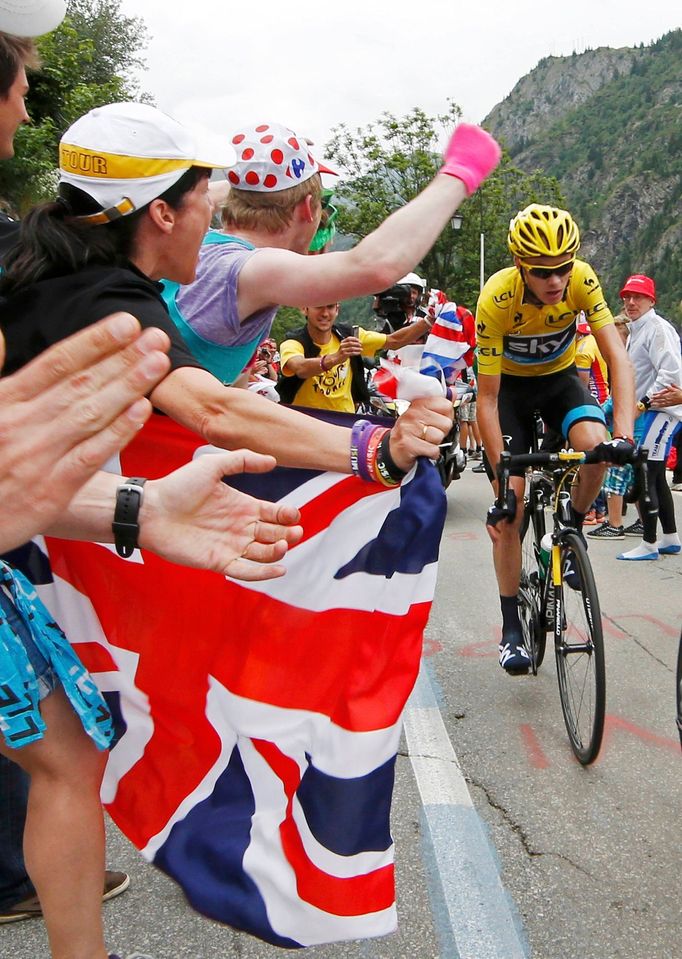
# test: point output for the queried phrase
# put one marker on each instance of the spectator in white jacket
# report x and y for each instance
(654, 350)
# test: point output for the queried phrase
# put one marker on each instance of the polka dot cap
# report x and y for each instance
(270, 157)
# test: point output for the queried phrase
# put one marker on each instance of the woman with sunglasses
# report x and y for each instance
(526, 330)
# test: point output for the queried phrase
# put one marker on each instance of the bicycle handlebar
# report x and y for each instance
(560, 458)
(567, 459)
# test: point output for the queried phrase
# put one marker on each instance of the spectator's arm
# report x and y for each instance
(192, 518)
(285, 278)
(236, 419)
(64, 414)
(665, 352)
(306, 367)
(407, 334)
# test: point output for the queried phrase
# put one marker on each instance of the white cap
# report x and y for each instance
(31, 18)
(271, 157)
(124, 155)
(413, 280)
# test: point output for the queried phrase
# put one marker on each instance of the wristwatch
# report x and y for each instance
(125, 526)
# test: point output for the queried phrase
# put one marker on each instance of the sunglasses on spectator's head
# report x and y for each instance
(544, 272)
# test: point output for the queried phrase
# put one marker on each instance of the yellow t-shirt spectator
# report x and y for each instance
(330, 390)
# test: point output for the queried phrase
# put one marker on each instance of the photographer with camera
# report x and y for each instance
(395, 306)
(266, 361)
(417, 287)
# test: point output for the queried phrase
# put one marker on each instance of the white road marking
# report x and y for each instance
(477, 915)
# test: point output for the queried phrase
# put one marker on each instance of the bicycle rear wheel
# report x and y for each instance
(530, 589)
(580, 655)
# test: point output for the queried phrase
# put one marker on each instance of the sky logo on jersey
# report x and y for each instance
(538, 349)
(258, 723)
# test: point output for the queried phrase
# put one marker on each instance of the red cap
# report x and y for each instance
(583, 326)
(638, 283)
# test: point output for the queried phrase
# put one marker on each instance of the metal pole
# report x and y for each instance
(482, 259)
(482, 249)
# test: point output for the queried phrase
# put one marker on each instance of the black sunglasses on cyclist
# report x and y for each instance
(544, 272)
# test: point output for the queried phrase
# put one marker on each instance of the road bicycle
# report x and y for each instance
(547, 604)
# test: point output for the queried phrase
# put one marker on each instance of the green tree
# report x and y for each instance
(86, 63)
(391, 160)
(288, 318)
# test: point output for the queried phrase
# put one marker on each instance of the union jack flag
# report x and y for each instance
(258, 724)
(450, 343)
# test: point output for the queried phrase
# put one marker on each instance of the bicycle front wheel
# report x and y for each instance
(579, 653)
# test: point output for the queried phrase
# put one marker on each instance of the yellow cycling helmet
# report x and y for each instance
(543, 231)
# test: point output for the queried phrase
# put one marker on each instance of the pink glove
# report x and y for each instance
(470, 155)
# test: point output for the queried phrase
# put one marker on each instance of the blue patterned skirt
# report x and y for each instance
(21, 688)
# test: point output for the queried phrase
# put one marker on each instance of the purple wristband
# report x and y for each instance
(359, 428)
(364, 470)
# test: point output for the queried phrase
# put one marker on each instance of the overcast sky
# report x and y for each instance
(223, 63)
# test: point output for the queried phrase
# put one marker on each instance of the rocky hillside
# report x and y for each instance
(608, 124)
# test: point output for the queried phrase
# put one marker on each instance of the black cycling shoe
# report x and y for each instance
(514, 658)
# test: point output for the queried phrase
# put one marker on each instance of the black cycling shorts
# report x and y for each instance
(561, 398)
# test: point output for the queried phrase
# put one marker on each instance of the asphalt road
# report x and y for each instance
(505, 845)
(590, 856)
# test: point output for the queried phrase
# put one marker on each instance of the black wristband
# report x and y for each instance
(125, 527)
(385, 459)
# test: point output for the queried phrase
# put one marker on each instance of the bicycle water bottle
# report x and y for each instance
(545, 554)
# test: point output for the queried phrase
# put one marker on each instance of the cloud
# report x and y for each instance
(224, 65)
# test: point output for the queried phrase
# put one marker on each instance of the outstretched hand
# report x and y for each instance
(192, 518)
(65, 413)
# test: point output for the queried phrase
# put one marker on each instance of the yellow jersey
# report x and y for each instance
(523, 339)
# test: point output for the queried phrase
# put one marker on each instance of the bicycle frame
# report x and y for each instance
(559, 500)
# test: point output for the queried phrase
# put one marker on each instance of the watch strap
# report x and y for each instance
(126, 526)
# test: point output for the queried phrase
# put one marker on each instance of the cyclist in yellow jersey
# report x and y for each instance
(525, 332)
